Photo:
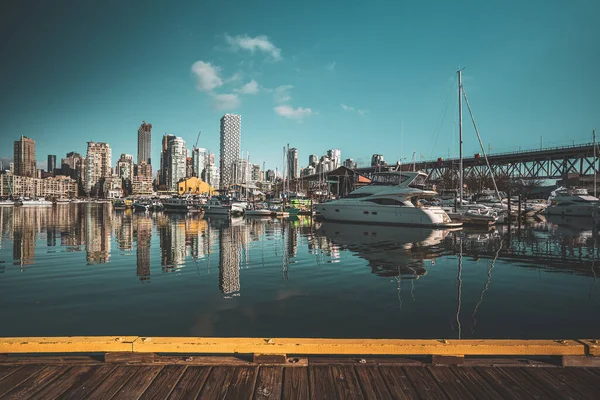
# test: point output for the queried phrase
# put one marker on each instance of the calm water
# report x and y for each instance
(89, 270)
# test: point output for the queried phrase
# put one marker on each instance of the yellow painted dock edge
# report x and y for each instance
(299, 346)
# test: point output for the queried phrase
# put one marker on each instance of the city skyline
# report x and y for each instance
(530, 76)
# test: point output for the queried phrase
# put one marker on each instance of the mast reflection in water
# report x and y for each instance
(77, 270)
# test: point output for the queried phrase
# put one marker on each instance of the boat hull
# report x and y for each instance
(583, 210)
(382, 214)
(258, 213)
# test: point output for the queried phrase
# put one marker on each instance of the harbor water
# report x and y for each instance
(86, 269)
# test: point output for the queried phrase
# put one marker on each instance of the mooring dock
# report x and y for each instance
(117, 368)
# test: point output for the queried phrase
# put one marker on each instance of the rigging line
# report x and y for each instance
(487, 285)
(438, 126)
(480, 142)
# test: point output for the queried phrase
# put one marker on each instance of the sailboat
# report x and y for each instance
(470, 214)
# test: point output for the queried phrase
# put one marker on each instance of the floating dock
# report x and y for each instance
(267, 368)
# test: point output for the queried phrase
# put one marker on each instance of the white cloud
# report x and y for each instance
(352, 109)
(225, 101)
(207, 76)
(330, 66)
(281, 93)
(252, 44)
(293, 113)
(249, 88)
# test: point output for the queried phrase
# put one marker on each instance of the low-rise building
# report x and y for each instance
(194, 185)
(59, 186)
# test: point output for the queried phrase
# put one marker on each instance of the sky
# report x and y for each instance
(362, 76)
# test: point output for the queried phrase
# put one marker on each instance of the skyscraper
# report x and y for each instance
(175, 157)
(292, 163)
(164, 170)
(199, 161)
(335, 155)
(313, 160)
(51, 163)
(231, 125)
(97, 166)
(144, 143)
(24, 157)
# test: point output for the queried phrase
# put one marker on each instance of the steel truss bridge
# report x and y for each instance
(548, 163)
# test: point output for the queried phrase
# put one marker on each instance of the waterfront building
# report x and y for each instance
(141, 185)
(173, 162)
(51, 163)
(125, 167)
(229, 147)
(256, 173)
(199, 162)
(292, 163)
(143, 169)
(349, 163)
(112, 187)
(241, 172)
(98, 163)
(59, 186)
(377, 160)
(211, 173)
(194, 185)
(145, 143)
(335, 156)
(24, 157)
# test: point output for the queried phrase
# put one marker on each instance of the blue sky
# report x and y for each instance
(362, 76)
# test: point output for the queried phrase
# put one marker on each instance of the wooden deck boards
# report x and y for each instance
(320, 381)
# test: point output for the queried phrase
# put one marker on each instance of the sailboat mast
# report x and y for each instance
(460, 137)
(595, 163)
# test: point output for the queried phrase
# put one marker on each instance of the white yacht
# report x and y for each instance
(216, 206)
(572, 202)
(34, 202)
(391, 198)
(7, 203)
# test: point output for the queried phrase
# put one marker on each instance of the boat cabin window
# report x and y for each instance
(387, 202)
(388, 179)
(357, 195)
(418, 182)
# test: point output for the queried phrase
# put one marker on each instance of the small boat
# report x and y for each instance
(119, 204)
(7, 203)
(62, 200)
(257, 210)
(26, 202)
(142, 205)
(177, 204)
(217, 206)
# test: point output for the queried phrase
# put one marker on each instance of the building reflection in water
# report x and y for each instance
(171, 229)
(230, 243)
(98, 223)
(143, 239)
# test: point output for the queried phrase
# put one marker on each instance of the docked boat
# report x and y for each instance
(142, 205)
(391, 198)
(257, 210)
(119, 204)
(34, 202)
(177, 204)
(572, 202)
(217, 206)
(7, 203)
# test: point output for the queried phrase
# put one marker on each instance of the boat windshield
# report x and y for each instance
(388, 179)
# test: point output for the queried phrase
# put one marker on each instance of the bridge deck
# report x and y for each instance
(317, 378)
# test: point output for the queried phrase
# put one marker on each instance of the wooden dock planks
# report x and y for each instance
(321, 381)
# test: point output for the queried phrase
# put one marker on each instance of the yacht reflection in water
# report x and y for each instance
(390, 250)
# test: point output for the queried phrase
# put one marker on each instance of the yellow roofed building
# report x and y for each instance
(194, 186)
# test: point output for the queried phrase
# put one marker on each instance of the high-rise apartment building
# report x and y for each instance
(377, 160)
(143, 169)
(256, 173)
(292, 163)
(144, 143)
(98, 163)
(174, 159)
(349, 163)
(313, 160)
(335, 156)
(51, 163)
(164, 165)
(24, 157)
(125, 167)
(270, 175)
(211, 175)
(231, 126)
(199, 162)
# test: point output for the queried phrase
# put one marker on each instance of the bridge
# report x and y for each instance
(548, 163)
